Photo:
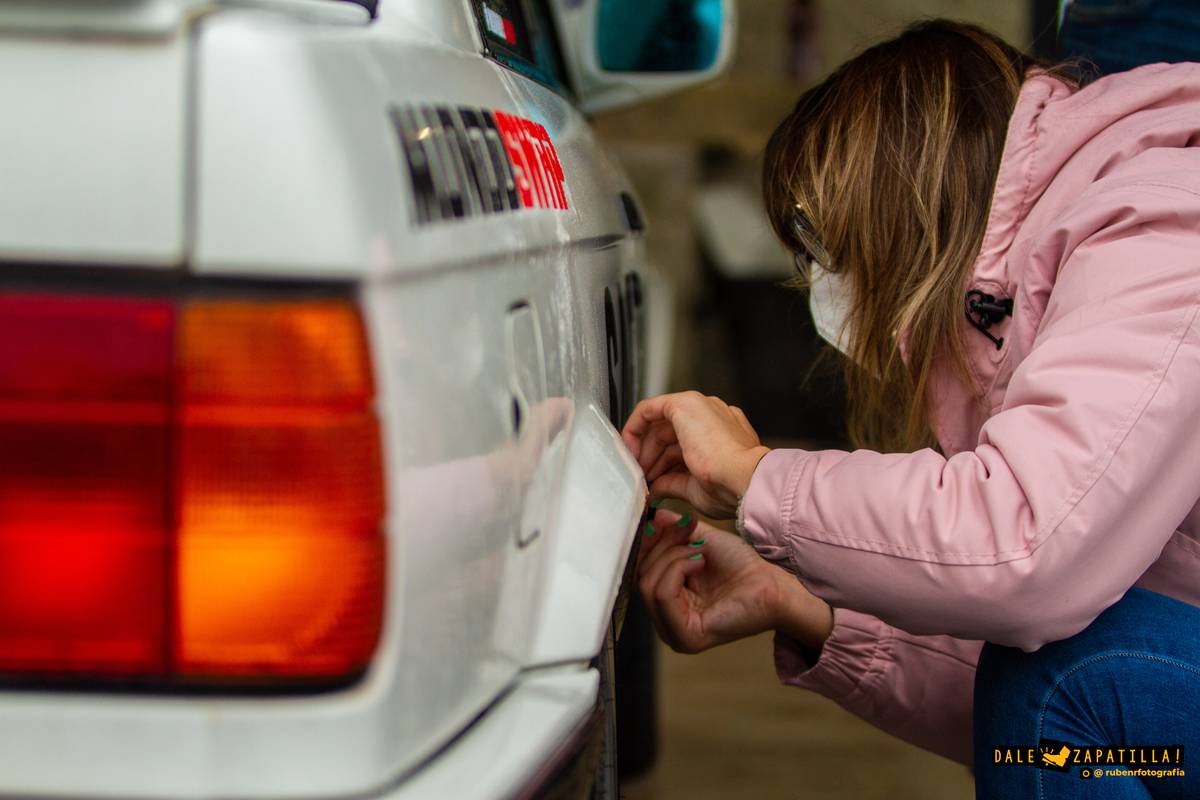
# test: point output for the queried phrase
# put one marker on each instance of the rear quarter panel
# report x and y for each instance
(505, 545)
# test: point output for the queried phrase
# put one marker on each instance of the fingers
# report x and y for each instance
(672, 539)
(644, 414)
(664, 596)
(660, 558)
(648, 412)
(659, 525)
(660, 437)
(671, 456)
(665, 556)
(688, 445)
(668, 533)
(673, 485)
(673, 607)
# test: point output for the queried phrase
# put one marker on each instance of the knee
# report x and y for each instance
(1011, 684)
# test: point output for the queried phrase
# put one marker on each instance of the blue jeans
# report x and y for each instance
(1117, 35)
(1131, 678)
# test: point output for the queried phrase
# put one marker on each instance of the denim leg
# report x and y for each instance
(1130, 678)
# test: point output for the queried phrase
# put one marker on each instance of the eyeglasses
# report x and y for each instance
(810, 248)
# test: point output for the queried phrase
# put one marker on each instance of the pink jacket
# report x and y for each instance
(1080, 475)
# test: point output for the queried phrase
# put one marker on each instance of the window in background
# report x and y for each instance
(520, 34)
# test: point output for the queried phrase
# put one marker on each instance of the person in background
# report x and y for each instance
(1011, 263)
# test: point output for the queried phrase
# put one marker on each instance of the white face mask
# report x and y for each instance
(829, 302)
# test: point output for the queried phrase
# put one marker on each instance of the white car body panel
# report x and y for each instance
(100, 87)
(492, 759)
(447, 23)
(567, 627)
(141, 19)
(505, 550)
(343, 216)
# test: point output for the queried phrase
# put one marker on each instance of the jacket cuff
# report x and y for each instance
(851, 662)
(763, 509)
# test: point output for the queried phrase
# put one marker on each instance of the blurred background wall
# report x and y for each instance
(726, 728)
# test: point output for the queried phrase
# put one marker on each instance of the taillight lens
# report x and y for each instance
(189, 491)
(279, 550)
(84, 417)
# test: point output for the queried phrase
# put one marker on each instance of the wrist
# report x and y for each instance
(800, 615)
(743, 469)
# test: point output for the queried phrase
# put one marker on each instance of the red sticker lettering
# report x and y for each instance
(536, 169)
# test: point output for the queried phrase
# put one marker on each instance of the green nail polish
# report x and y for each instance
(647, 529)
(683, 521)
(696, 557)
(654, 504)
(697, 543)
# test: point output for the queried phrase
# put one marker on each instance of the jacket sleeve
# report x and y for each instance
(918, 688)
(1073, 489)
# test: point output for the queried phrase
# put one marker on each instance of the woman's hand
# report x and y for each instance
(694, 448)
(727, 593)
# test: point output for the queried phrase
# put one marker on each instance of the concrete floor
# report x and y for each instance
(729, 729)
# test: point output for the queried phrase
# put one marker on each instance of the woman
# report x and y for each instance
(1012, 265)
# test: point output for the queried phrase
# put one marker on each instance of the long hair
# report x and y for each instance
(885, 172)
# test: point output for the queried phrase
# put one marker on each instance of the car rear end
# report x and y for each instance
(303, 491)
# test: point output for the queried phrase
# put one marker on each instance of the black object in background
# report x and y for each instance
(1118, 35)
(637, 707)
(1044, 21)
(785, 379)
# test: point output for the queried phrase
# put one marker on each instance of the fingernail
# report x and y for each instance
(656, 503)
(696, 557)
(696, 543)
(647, 529)
(683, 521)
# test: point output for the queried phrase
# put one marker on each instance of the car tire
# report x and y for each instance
(606, 785)
(637, 708)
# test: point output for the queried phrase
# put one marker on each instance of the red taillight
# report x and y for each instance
(84, 385)
(188, 490)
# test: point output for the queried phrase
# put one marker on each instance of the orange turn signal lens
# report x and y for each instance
(280, 551)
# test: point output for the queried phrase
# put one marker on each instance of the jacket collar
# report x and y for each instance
(958, 412)
(1019, 182)
(1023, 175)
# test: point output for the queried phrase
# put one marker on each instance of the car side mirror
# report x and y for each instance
(622, 52)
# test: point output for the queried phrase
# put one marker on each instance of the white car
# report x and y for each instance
(315, 318)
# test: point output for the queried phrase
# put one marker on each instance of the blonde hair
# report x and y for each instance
(885, 171)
